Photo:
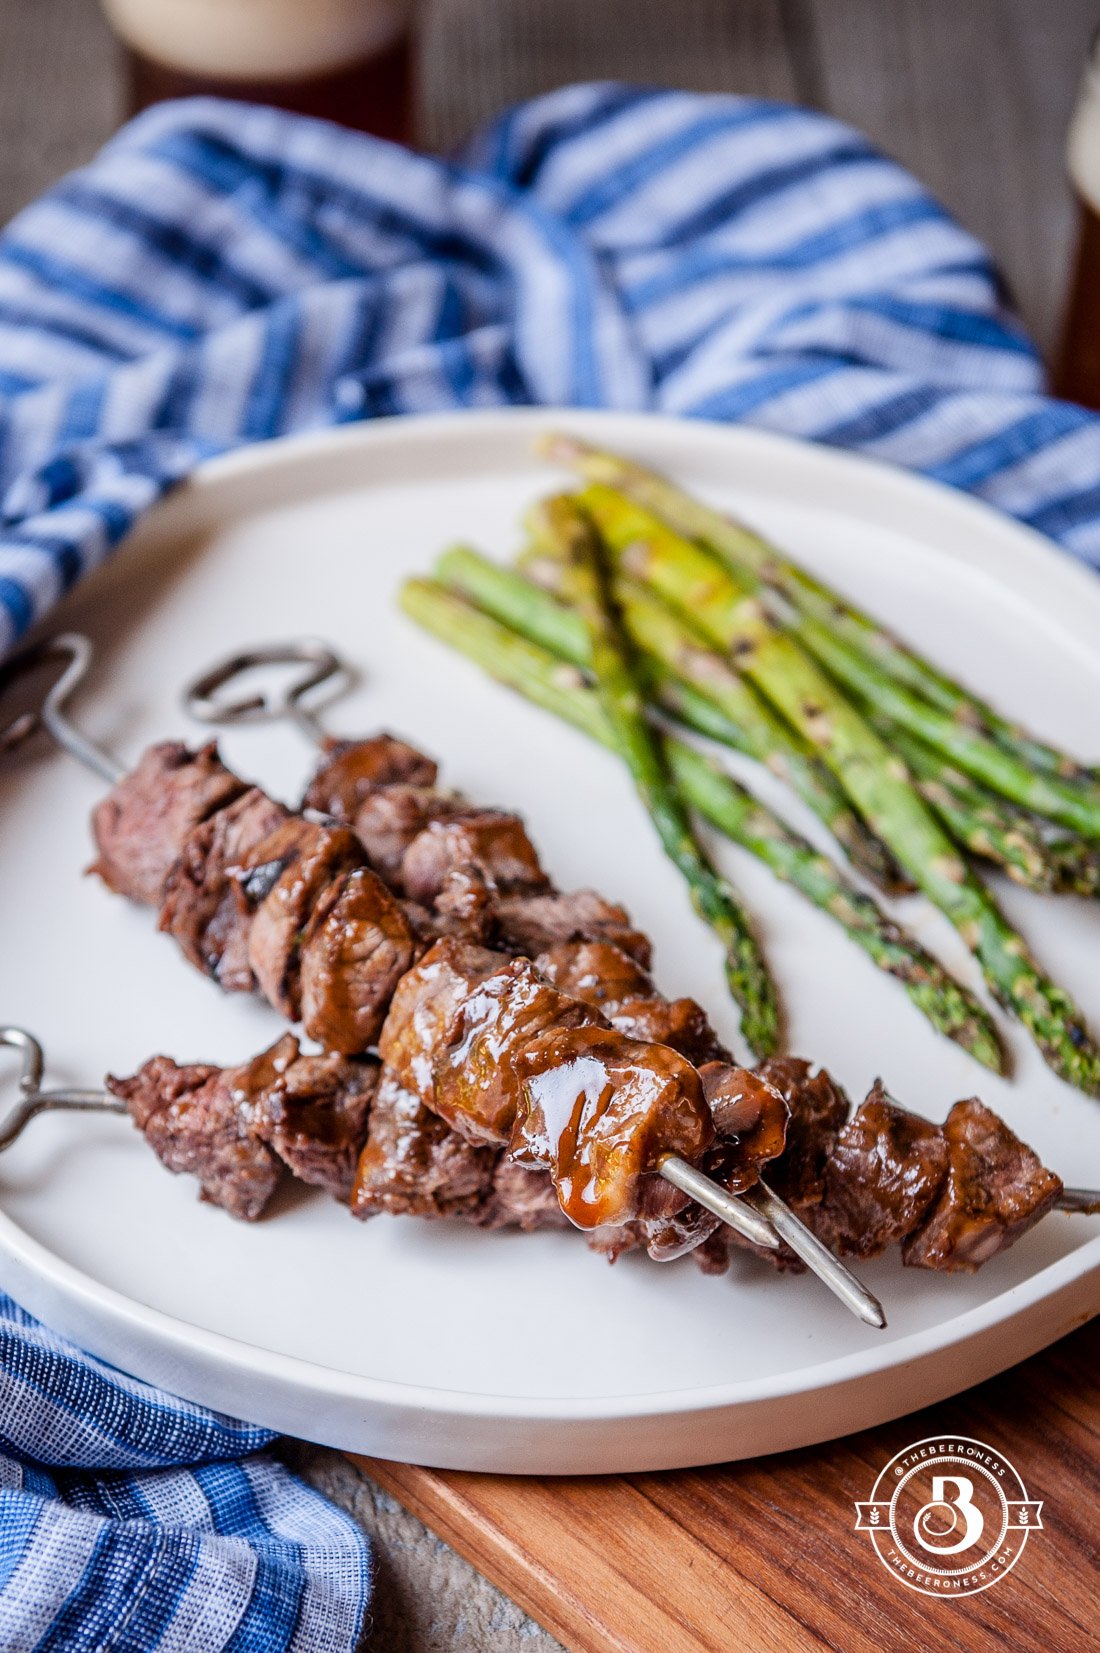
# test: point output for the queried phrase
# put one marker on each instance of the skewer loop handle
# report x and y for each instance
(33, 1100)
(287, 703)
(77, 650)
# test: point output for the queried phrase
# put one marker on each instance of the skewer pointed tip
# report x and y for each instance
(818, 1258)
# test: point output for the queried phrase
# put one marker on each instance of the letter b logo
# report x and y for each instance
(928, 1525)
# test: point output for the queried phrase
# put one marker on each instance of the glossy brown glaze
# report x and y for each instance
(602, 1112)
(475, 1084)
(423, 1006)
(596, 971)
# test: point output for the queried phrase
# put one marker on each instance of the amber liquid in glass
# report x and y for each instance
(1076, 373)
(1077, 370)
(374, 94)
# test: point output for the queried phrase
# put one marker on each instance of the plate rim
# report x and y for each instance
(1047, 565)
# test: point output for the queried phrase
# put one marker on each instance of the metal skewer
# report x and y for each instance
(33, 1100)
(1084, 1201)
(297, 701)
(77, 651)
(816, 1256)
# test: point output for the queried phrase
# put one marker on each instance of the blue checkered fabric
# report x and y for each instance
(131, 1520)
(222, 274)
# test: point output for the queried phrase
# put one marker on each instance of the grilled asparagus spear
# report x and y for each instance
(622, 696)
(677, 655)
(753, 559)
(875, 778)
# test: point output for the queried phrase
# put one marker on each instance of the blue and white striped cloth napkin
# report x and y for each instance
(223, 274)
(220, 275)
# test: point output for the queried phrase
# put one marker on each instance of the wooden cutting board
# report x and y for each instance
(762, 1557)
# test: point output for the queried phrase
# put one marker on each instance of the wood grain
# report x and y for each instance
(60, 96)
(480, 55)
(975, 99)
(762, 1557)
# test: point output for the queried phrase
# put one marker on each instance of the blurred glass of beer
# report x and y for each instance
(346, 60)
(1077, 372)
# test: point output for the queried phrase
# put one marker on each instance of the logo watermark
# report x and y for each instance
(949, 1516)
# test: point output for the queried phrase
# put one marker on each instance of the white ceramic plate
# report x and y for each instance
(431, 1342)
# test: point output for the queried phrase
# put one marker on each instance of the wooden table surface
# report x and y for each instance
(762, 1557)
(974, 96)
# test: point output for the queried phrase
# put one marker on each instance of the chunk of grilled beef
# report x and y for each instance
(425, 1002)
(818, 1109)
(617, 1239)
(356, 947)
(192, 1123)
(519, 1198)
(601, 1111)
(751, 1120)
(533, 924)
(713, 1255)
(203, 910)
(414, 1165)
(487, 841)
(681, 1023)
(429, 925)
(281, 879)
(466, 901)
(475, 1083)
(603, 975)
(351, 770)
(995, 1189)
(312, 1111)
(390, 818)
(141, 824)
(885, 1169)
(504, 1058)
(596, 971)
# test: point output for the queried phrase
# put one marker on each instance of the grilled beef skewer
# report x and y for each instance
(505, 1058)
(261, 898)
(952, 1196)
